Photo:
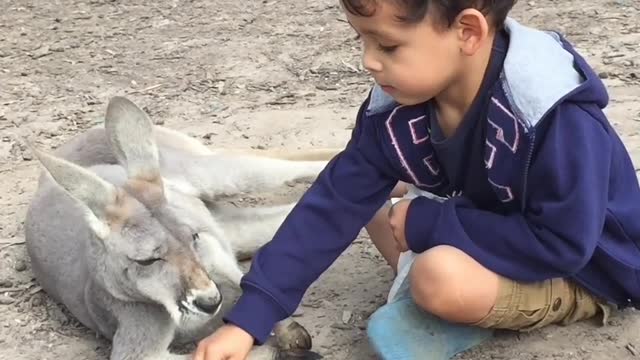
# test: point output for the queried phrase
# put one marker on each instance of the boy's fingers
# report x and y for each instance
(201, 352)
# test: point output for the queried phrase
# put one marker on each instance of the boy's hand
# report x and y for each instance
(227, 343)
(400, 190)
(397, 218)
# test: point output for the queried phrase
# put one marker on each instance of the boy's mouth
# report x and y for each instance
(387, 88)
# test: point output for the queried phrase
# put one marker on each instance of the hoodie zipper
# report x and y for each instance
(525, 181)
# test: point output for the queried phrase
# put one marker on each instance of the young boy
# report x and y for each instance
(538, 221)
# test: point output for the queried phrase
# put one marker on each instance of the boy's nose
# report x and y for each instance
(370, 63)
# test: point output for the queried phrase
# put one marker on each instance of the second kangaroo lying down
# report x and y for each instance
(125, 231)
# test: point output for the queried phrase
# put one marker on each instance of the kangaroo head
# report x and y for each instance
(141, 249)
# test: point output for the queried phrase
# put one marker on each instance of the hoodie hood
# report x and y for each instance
(541, 69)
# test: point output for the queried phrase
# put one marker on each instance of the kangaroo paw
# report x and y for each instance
(290, 335)
(297, 355)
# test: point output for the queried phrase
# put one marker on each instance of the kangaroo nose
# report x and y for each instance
(208, 304)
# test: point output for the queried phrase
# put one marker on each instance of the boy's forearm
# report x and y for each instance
(325, 221)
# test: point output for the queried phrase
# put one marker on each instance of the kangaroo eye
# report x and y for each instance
(195, 236)
(147, 262)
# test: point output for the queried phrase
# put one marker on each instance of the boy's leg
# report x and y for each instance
(450, 284)
(380, 233)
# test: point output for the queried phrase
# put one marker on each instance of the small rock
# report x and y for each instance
(37, 301)
(346, 316)
(41, 52)
(6, 300)
(26, 156)
(6, 283)
(603, 75)
(20, 265)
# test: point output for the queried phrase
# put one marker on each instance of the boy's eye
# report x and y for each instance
(387, 49)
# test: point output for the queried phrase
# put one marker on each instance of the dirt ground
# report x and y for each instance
(267, 74)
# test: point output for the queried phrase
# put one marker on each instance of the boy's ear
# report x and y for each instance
(473, 30)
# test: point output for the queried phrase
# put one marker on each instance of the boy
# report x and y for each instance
(538, 221)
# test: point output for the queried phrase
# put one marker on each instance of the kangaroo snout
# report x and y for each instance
(208, 302)
(204, 301)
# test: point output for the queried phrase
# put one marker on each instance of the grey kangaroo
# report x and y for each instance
(127, 231)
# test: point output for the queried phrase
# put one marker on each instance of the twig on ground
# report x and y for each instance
(153, 87)
(10, 243)
(15, 289)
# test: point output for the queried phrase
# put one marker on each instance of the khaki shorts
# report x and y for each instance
(529, 306)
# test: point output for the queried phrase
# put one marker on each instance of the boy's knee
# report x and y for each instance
(433, 279)
(450, 284)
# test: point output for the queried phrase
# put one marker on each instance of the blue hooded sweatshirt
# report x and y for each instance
(569, 200)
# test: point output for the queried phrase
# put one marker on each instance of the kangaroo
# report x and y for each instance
(126, 230)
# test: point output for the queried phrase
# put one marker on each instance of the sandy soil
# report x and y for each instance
(251, 74)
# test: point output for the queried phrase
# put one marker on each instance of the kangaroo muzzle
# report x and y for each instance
(207, 301)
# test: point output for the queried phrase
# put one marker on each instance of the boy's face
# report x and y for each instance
(412, 62)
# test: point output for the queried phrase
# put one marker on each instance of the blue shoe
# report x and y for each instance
(400, 330)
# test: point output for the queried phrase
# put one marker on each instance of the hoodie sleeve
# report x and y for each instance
(328, 217)
(557, 233)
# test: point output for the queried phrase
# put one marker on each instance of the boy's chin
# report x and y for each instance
(406, 99)
(409, 101)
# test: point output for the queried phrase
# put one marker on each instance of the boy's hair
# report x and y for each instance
(447, 10)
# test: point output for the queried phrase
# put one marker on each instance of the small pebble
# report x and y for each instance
(346, 316)
(20, 265)
(37, 301)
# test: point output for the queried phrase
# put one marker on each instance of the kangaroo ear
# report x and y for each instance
(92, 192)
(130, 132)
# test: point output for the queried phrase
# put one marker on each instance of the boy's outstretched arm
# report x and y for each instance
(565, 210)
(328, 217)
